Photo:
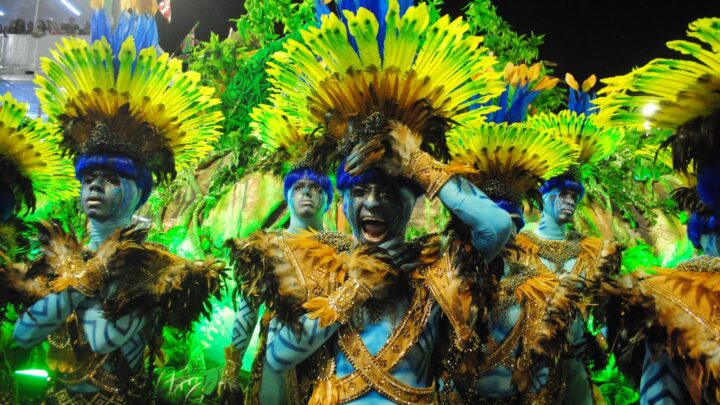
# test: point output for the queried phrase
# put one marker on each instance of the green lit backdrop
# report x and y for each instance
(229, 196)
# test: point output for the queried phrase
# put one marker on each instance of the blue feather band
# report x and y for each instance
(120, 164)
(563, 181)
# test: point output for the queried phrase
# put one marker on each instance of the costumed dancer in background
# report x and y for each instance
(30, 167)
(364, 325)
(126, 114)
(527, 337)
(553, 247)
(308, 196)
(667, 336)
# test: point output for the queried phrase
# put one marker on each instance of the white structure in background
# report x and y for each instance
(21, 53)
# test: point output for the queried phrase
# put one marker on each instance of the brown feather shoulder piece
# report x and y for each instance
(148, 276)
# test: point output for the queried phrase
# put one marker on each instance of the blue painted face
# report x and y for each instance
(560, 205)
(378, 210)
(105, 196)
(306, 199)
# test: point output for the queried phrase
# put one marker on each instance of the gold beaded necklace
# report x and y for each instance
(558, 252)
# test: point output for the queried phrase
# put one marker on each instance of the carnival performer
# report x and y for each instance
(364, 325)
(526, 332)
(126, 114)
(308, 196)
(31, 167)
(552, 247)
(667, 336)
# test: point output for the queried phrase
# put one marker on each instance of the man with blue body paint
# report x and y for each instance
(565, 253)
(308, 196)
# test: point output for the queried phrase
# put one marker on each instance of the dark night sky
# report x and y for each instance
(606, 37)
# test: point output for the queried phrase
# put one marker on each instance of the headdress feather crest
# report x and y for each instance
(131, 101)
(30, 163)
(682, 95)
(594, 141)
(524, 84)
(508, 158)
(517, 156)
(421, 75)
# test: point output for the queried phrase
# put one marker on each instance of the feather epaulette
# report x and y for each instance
(283, 271)
(142, 274)
(688, 308)
(675, 311)
(148, 276)
(19, 290)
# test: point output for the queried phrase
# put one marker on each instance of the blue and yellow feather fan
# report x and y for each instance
(133, 101)
(356, 65)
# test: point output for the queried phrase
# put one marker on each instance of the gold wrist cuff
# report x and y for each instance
(430, 174)
(83, 276)
(339, 305)
(348, 297)
(233, 360)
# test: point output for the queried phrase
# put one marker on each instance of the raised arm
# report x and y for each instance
(490, 225)
(44, 316)
(105, 336)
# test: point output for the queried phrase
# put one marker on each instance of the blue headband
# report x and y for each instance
(345, 181)
(561, 182)
(120, 164)
(708, 187)
(701, 224)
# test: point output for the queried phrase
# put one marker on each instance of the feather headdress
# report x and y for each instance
(118, 96)
(524, 84)
(682, 95)
(595, 142)
(510, 161)
(30, 163)
(578, 125)
(364, 62)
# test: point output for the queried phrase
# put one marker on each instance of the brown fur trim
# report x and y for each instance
(19, 290)
(265, 276)
(549, 340)
(688, 308)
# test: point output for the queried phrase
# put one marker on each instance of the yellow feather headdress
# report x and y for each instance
(423, 76)
(682, 95)
(510, 161)
(136, 103)
(30, 161)
(595, 142)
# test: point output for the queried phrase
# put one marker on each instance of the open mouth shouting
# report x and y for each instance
(374, 229)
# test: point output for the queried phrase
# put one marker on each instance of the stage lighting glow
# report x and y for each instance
(70, 7)
(649, 109)
(33, 373)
